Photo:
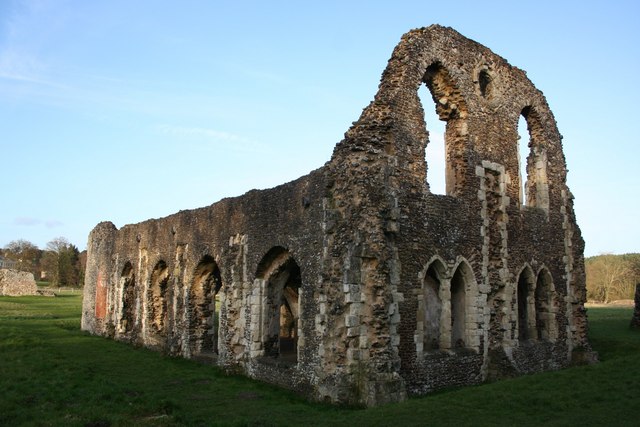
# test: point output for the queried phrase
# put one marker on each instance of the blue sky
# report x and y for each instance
(129, 110)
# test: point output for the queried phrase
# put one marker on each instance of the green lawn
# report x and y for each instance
(51, 373)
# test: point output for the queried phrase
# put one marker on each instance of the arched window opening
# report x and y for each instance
(458, 310)
(435, 154)
(526, 313)
(532, 161)
(432, 303)
(484, 82)
(127, 281)
(523, 160)
(158, 298)
(545, 310)
(281, 278)
(204, 307)
(451, 109)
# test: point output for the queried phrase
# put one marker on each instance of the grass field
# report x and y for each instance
(51, 373)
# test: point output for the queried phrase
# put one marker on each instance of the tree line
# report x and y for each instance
(60, 263)
(612, 277)
(609, 277)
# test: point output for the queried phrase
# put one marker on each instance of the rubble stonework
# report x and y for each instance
(17, 283)
(355, 283)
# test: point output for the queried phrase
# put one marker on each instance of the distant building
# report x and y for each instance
(7, 263)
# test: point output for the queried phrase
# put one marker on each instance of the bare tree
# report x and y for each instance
(58, 244)
(608, 277)
(25, 254)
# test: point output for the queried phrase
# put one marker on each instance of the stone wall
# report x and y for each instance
(17, 283)
(355, 283)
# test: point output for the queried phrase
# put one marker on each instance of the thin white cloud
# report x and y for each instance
(202, 132)
(26, 221)
(21, 58)
(232, 140)
(16, 65)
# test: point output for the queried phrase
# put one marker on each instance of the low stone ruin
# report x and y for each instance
(17, 283)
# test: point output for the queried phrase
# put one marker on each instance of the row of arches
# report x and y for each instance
(536, 306)
(448, 134)
(278, 277)
(451, 310)
(447, 308)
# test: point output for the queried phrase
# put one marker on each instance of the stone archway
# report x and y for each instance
(203, 312)
(534, 187)
(452, 109)
(279, 276)
(127, 283)
(525, 305)
(458, 309)
(157, 301)
(546, 324)
(430, 312)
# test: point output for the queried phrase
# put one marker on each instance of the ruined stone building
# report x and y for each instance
(17, 283)
(355, 283)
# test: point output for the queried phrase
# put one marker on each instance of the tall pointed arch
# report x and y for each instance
(430, 307)
(157, 300)
(464, 316)
(127, 283)
(458, 309)
(545, 307)
(279, 279)
(451, 108)
(533, 161)
(525, 304)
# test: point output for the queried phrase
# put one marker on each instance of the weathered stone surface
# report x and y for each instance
(17, 283)
(635, 320)
(355, 283)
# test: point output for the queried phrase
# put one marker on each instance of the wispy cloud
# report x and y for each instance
(16, 65)
(53, 223)
(22, 59)
(201, 132)
(26, 221)
(254, 74)
(21, 53)
(213, 136)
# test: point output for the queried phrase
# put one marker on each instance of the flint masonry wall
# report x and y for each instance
(355, 283)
